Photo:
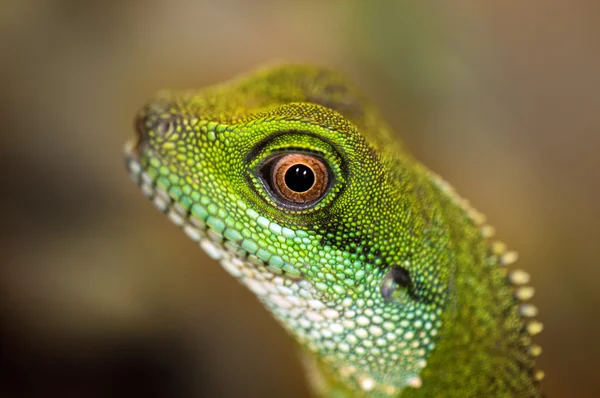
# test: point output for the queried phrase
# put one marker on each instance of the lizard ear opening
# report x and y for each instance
(395, 285)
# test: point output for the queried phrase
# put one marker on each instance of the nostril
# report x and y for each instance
(163, 127)
(156, 120)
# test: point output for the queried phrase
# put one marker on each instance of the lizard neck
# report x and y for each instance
(483, 330)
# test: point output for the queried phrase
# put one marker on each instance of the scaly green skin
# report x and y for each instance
(454, 330)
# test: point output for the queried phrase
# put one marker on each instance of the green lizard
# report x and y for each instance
(386, 278)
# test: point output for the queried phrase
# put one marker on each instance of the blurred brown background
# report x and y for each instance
(100, 295)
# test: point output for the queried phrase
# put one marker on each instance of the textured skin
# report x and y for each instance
(455, 329)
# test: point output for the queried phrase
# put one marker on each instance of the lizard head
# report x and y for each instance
(284, 179)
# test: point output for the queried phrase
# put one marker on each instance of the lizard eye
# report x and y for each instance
(296, 179)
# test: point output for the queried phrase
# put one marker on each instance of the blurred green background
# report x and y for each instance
(100, 295)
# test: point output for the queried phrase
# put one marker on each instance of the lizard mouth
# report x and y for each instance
(233, 257)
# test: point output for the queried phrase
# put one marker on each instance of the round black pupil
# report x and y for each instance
(299, 178)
